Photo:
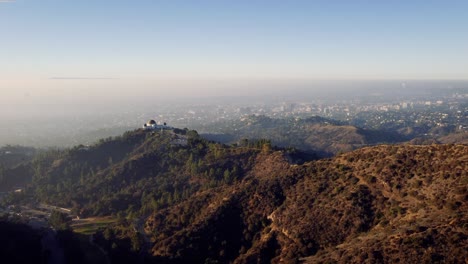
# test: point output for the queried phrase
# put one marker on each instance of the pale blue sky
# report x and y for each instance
(137, 42)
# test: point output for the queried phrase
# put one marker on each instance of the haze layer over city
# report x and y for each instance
(73, 68)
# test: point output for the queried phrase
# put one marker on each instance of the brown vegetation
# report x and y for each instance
(376, 205)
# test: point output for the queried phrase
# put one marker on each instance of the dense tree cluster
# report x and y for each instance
(138, 172)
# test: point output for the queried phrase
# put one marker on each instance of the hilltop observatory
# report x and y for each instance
(152, 125)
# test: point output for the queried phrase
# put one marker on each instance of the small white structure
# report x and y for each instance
(152, 125)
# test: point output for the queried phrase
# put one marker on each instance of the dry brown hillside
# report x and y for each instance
(383, 204)
(457, 138)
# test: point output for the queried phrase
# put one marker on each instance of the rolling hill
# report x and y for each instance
(323, 136)
(383, 204)
(180, 198)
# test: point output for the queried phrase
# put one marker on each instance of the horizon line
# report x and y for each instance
(83, 78)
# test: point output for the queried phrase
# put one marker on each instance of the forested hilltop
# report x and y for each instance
(139, 171)
(180, 198)
(324, 136)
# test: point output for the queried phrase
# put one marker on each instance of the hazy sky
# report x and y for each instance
(67, 49)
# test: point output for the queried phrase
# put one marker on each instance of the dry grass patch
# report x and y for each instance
(89, 226)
